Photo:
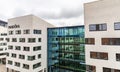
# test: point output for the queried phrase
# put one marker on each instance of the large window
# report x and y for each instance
(91, 68)
(31, 40)
(10, 62)
(14, 39)
(21, 39)
(110, 70)
(99, 55)
(17, 64)
(98, 27)
(26, 66)
(117, 25)
(17, 48)
(37, 31)
(13, 55)
(31, 58)
(10, 32)
(27, 31)
(26, 48)
(89, 40)
(18, 31)
(36, 48)
(36, 65)
(22, 56)
(110, 41)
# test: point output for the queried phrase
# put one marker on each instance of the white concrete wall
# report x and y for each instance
(103, 11)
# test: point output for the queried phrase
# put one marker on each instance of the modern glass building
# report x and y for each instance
(66, 51)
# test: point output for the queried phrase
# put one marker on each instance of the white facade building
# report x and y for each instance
(102, 33)
(3, 44)
(27, 46)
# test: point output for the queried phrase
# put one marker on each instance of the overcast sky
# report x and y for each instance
(57, 12)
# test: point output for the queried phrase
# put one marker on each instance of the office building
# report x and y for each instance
(66, 51)
(102, 28)
(27, 44)
(3, 42)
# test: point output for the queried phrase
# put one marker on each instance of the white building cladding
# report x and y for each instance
(3, 44)
(102, 33)
(27, 46)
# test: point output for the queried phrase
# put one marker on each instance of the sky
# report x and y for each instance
(56, 12)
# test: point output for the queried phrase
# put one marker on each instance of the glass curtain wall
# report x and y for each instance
(66, 51)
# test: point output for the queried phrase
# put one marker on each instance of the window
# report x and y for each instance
(13, 55)
(1, 39)
(99, 55)
(26, 48)
(89, 40)
(110, 41)
(21, 39)
(31, 40)
(22, 56)
(37, 65)
(10, 62)
(7, 39)
(10, 47)
(26, 31)
(39, 56)
(26, 66)
(37, 31)
(14, 39)
(117, 26)
(17, 48)
(18, 31)
(98, 27)
(31, 58)
(91, 68)
(17, 64)
(10, 32)
(39, 39)
(110, 70)
(117, 57)
(7, 54)
(36, 48)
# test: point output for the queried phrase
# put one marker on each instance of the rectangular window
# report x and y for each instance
(14, 39)
(22, 56)
(10, 32)
(18, 31)
(39, 56)
(26, 66)
(17, 48)
(117, 57)
(98, 27)
(17, 64)
(37, 48)
(39, 39)
(110, 70)
(10, 47)
(117, 26)
(37, 31)
(91, 68)
(36, 65)
(110, 41)
(21, 39)
(13, 55)
(7, 39)
(99, 55)
(10, 62)
(26, 31)
(89, 40)
(31, 58)
(31, 40)
(26, 48)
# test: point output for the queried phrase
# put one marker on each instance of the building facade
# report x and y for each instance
(66, 51)
(102, 28)
(3, 42)
(27, 44)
